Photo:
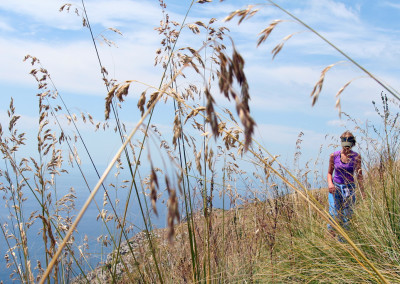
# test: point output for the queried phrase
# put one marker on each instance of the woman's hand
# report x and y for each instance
(331, 188)
(331, 168)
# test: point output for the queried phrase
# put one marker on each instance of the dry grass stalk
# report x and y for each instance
(318, 86)
(243, 14)
(153, 190)
(44, 173)
(24, 244)
(267, 31)
(337, 96)
(141, 102)
(230, 69)
(119, 91)
(101, 180)
(173, 210)
(279, 47)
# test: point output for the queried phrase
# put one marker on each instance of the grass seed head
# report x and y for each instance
(264, 34)
(109, 99)
(153, 189)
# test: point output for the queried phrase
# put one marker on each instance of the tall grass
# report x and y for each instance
(273, 231)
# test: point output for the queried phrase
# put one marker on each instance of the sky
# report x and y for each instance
(368, 31)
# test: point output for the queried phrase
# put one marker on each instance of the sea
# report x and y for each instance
(90, 227)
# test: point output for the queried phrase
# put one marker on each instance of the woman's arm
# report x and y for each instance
(331, 168)
(359, 174)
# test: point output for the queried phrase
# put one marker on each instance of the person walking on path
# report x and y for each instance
(344, 167)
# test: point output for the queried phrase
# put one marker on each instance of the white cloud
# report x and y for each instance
(339, 23)
(274, 133)
(328, 10)
(43, 11)
(281, 140)
(69, 65)
(136, 49)
(46, 12)
(24, 123)
(287, 135)
(74, 66)
(336, 122)
(392, 4)
(4, 26)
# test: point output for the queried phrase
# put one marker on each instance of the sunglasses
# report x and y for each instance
(348, 139)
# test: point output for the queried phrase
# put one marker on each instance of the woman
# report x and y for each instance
(346, 165)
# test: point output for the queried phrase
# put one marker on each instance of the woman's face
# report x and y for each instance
(347, 143)
(346, 149)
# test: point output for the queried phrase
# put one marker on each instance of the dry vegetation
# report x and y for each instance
(278, 234)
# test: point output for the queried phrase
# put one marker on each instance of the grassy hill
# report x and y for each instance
(281, 240)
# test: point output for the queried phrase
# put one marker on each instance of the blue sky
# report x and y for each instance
(366, 30)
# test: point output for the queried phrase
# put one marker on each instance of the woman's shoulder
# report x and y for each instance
(333, 157)
(356, 155)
